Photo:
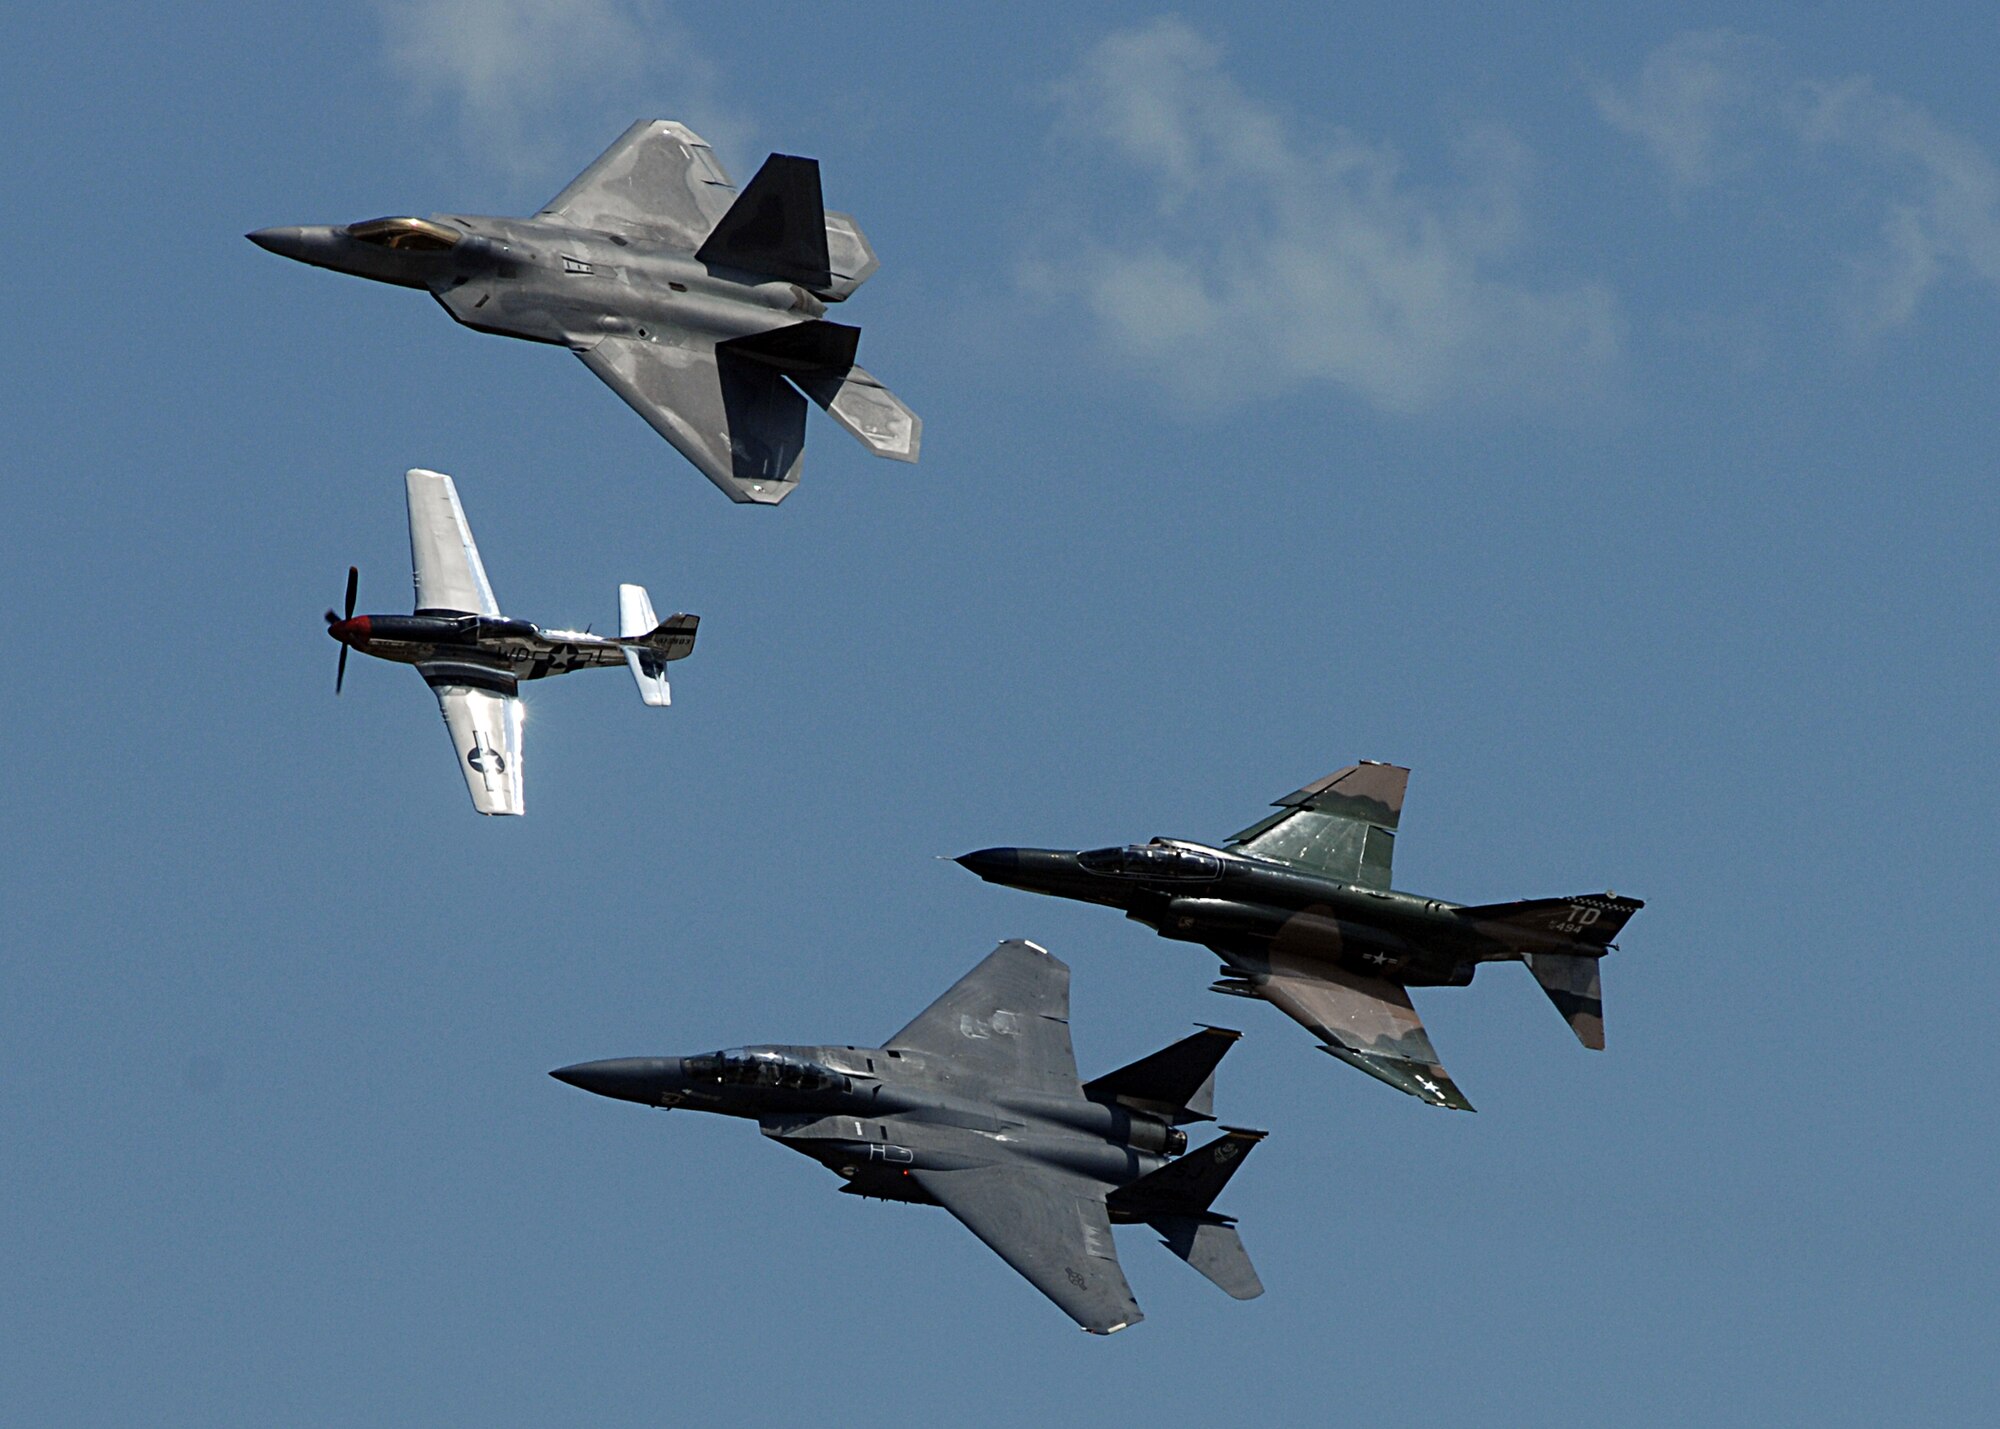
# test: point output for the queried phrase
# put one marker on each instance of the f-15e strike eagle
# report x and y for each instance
(1298, 907)
(702, 307)
(976, 1107)
(474, 658)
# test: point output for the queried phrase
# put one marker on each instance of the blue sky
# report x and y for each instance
(1593, 412)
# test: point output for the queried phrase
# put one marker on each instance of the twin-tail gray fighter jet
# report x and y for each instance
(474, 658)
(1298, 907)
(702, 307)
(976, 1107)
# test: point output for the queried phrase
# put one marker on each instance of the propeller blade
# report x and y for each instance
(340, 674)
(353, 582)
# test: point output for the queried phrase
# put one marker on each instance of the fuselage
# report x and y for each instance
(1235, 903)
(549, 282)
(480, 643)
(871, 1114)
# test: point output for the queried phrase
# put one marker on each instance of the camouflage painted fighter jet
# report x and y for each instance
(976, 1107)
(703, 308)
(474, 658)
(1298, 907)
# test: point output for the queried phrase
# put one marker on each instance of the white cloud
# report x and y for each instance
(1689, 102)
(527, 78)
(1715, 103)
(1264, 261)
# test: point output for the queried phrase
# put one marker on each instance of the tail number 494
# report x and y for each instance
(1578, 918)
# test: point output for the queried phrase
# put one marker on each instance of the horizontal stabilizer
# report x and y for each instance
(777, 226)
(1188, 1186)
(1213, 1249)
(853, 257)
(1176, 1083)
(875, 415)
(1590, 920)
(1572, 982)
(651, 642)
(649, 674)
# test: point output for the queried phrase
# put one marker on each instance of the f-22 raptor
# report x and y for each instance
(1298, 907)
(703, 308)
(976, 1107)
(474, 658)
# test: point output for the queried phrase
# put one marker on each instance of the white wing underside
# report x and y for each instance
(444, 561)
(485, 732)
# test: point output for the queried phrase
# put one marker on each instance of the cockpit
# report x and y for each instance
(778, 1071)
(407, 235)
(1151, 861)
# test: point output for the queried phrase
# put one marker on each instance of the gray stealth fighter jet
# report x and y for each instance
(702, 307)
(975, 1106)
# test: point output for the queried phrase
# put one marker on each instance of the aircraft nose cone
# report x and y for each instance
(349, 632)
(285, 242)
(629, 1079)
(991, 863)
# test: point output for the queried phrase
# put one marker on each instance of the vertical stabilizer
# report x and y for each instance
(777, 226)
(1176, 1084)
(1175, 1200)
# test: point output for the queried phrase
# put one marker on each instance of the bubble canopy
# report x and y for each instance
(747, 1067)
(1151, 861)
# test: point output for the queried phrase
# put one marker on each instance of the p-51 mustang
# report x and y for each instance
(1298, 907)
(474, 658)
(976, 1107)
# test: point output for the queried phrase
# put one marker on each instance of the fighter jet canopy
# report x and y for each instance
(761, 1067)
(407, 235)
(1151, 861)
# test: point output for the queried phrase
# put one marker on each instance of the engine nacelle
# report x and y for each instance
(1151, 1134)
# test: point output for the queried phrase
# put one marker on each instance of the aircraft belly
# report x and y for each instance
(508, 308)
(1312, 934)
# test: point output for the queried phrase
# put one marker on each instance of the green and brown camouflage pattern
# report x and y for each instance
(1299, 909)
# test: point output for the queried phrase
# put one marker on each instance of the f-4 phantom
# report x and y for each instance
(703, 308)
(1298, 907)
(474, 658)
(976, 1107)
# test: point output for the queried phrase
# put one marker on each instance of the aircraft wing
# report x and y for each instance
(1050, 1226)
(736, 419)
(1366, 1022)
(1006, 1021)
(444, 561)
(658, 181)
(485, 726)
(1343, 825)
